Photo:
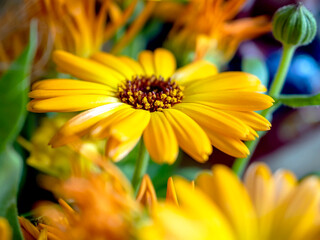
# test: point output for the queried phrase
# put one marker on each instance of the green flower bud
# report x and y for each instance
(294, 24)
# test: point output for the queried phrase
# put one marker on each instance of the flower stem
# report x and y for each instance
(141, 165)
(240, 164)
(277, 84)
(278, 81)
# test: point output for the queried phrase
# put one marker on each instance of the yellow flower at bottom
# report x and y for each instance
(264, 207)
(192, 107)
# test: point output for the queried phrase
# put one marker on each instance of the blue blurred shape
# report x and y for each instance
(303, 76)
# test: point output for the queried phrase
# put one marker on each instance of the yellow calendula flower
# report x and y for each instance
(264, 207)
(208, 28)
(192, 107)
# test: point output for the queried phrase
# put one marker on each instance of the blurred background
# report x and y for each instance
(294, 139)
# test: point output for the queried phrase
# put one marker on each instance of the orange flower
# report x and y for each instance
(82, 30)
(207, 27)
(102, 206)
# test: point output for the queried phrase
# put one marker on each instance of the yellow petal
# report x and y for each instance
(135, 66)
(87, 69)
(117, 150)
(252, 119)
(203, 210)
(132, 126)
(160, 139)
(232, 146)
(147, 62)
(214, 119)
(59, 93)
(103, 128)
(71, 103)
(171, 192)
(236, 101)
(165, 63)
(227, 81)
(299, 213)
(285, 182)
(191, 138)
(260, 185)
(28, 228)
(88, 118)
(146, 194)
(68, 84)
(43, 235)
(232, 200)
(193, 71)
(81, 124)
(115, 63)
(172, 223)
(5, 230)
(59, 139)
(252, 135)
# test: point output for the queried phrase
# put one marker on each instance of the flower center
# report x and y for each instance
(150, 93)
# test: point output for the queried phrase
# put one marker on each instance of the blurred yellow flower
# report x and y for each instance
(264, 207)
(5, 230)
(208, 28)
(64, 161)
(192, 107)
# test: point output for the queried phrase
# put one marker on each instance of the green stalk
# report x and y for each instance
(240, 164)
(141, 165)
(280, 77)
(277, 84)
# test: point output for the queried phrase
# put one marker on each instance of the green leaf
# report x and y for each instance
(13, 91)
(10, 174)
(296, 101)
(256, 67)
